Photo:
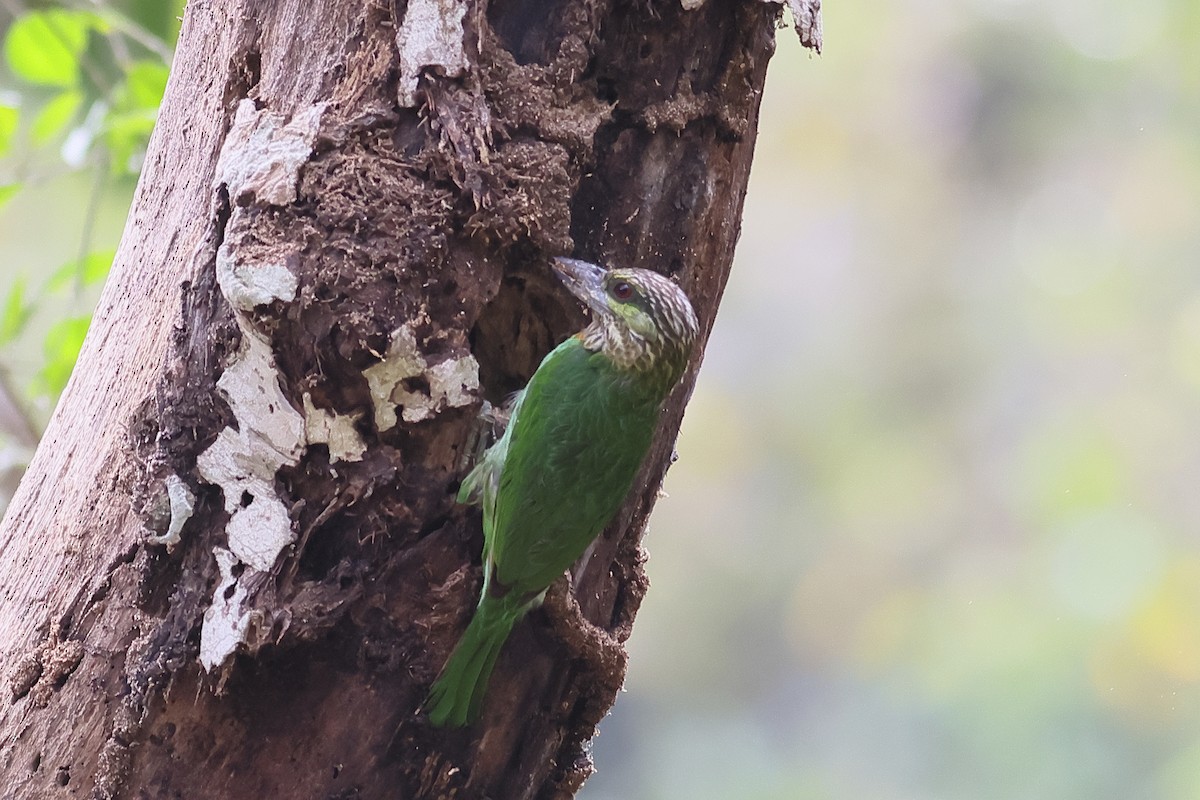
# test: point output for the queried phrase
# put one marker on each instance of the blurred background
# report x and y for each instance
(934, 532)
(80, 85)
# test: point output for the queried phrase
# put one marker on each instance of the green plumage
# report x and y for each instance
(576, 437)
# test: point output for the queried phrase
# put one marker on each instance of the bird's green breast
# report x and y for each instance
(575, 446)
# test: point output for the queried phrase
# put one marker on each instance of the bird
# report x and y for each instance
(577, 435)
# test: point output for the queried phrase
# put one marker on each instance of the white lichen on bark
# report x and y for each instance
(244, 462)
(182, 503)
(431, 35)
(249, 285)
(264, 151)
(336, 431)
(453, 382)
(227, 622)
(259, 163)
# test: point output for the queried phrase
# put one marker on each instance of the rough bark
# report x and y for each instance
(235, 563)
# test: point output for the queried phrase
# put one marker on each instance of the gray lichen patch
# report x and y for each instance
(259, 165)
(244, 462)
(228, 621)
(263, 153)
(261, 160)
(431, 35)
(182, 503)
(453, 383)
(406, 379)
(249, 283)
(337, 431)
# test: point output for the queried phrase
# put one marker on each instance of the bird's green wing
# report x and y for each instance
(483, 482)
(572, 451)
(486, 472)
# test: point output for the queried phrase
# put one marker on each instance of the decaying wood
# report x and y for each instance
(236, 564)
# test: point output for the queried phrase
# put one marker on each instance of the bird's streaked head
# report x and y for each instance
(640, 319)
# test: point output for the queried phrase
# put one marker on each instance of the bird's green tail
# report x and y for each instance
(457, 694)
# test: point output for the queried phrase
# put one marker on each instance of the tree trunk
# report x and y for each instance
(236, 563)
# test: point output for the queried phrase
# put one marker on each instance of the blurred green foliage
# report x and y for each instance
(79, 93)
(44, 47)
(933, 533)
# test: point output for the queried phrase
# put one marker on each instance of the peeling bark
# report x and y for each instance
(236, 563)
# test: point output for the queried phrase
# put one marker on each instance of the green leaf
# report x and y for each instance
(44, 47)
(96, 266)
(145, 83)
(62, 346)
(93, 269)
(16, 312)
(55, 116)
(7, 191)
(8, 126)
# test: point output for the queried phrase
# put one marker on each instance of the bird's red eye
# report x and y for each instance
(622, 290)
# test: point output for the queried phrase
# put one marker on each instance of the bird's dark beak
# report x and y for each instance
(585, 280)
